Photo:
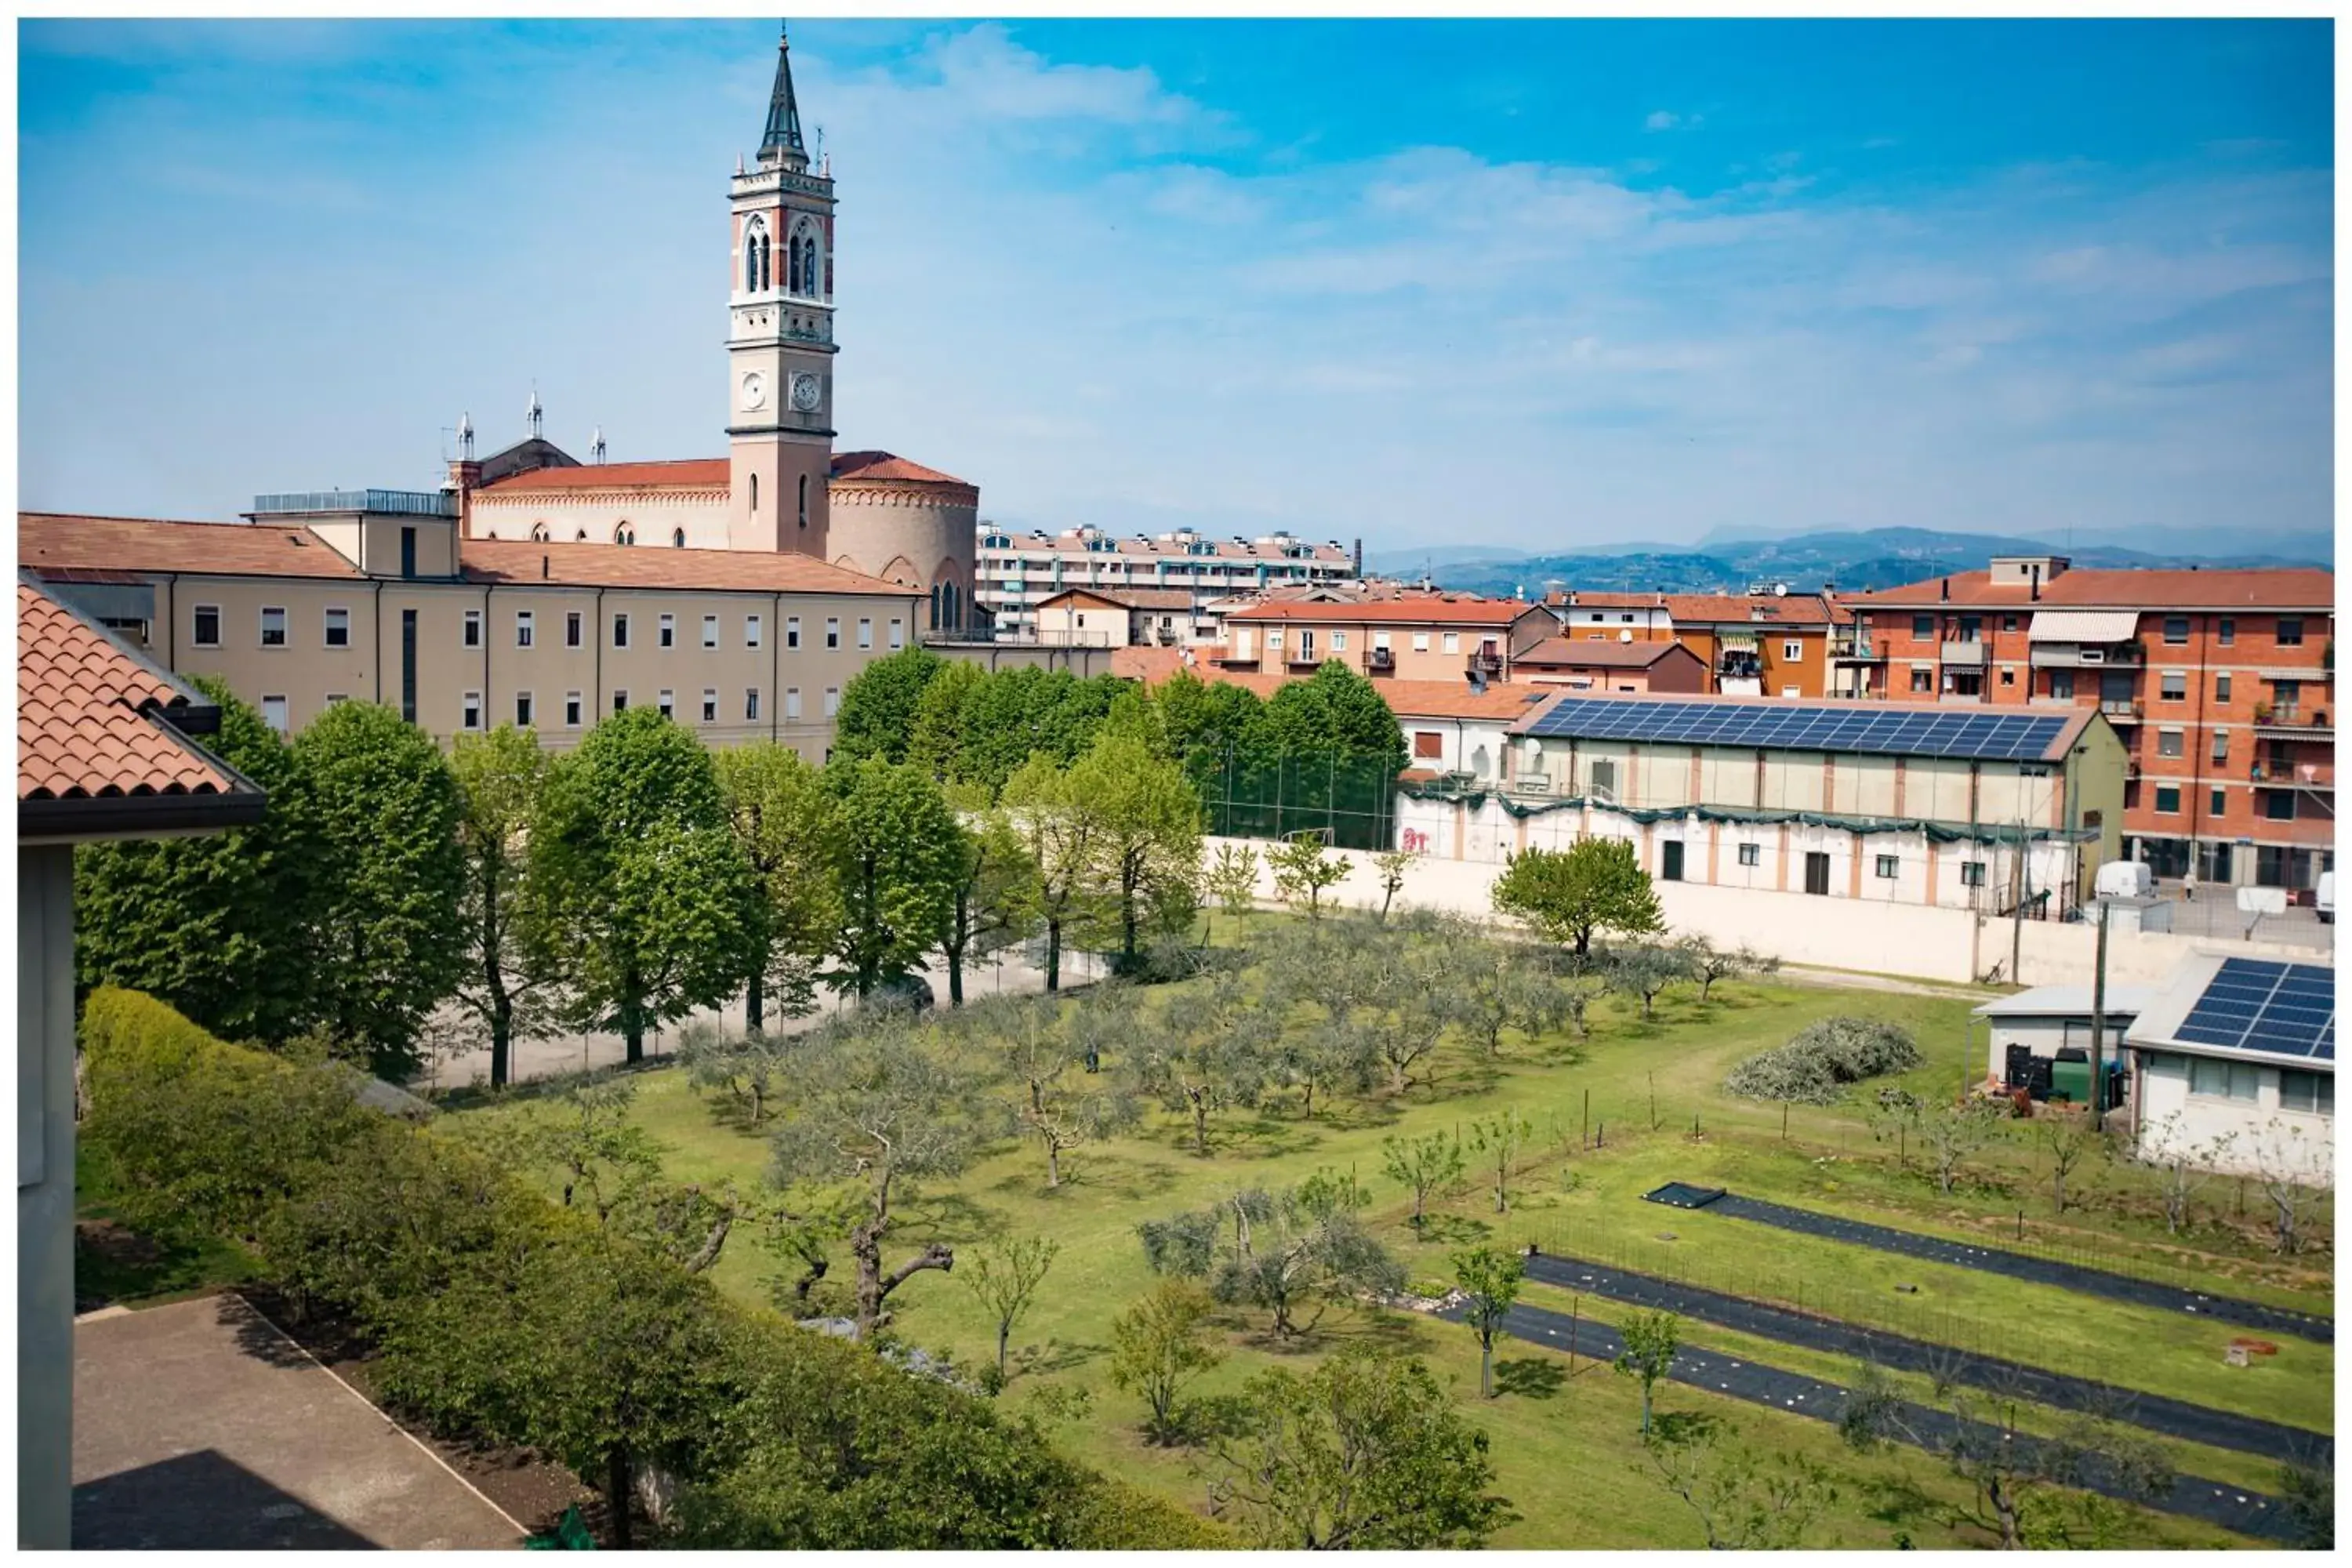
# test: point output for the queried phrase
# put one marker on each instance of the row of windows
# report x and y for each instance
(574, 706)
(1451, 641)
(2306, 1091)
(1890, 867)
(336, 629)
(2286, 631)
(2277, 804)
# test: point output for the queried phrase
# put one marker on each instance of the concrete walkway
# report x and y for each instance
(200, 1427)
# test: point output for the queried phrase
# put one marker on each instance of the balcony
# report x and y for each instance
(1381, 661)
(1302, 658)
(2086, 656)
(2272, 722)
(2301, 775)
(1485, 663)
(1969, 653)
(2122, 709)
(1854, 648)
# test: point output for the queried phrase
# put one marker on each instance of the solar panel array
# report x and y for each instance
(2012, 737)
(2255, 1004)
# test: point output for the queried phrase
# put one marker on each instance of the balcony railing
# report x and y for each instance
(2291, 723)
(2121, 710)
(2086, 656)
(1959, 652)
(1381, 660)
(389, 503)
(1856, 649)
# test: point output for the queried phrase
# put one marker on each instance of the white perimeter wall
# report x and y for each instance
(1929, 943)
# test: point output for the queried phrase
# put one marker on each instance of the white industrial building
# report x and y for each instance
(2235, 1063)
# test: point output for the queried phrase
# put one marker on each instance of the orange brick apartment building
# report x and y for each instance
(2220, 682)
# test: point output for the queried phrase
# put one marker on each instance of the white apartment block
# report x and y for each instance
(1018, 572)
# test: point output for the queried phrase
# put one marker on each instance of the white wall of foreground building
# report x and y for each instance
(1927, 942)
(2262, 1132)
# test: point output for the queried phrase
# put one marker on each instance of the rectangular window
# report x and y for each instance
(792, 703)
(710, 705)
(1923, 628)
(897, 634)
(2278, 805)
(273, 713)
(665, 702)
(2169, 743)
(751, 704)
(1339, 640)
(206, 631)
(572, 705)
(335, 697)
(273, 628)
(864, 633)
(1453, 642)
(2220, 804)
(751, 631)
(339, 628)
(522, 710)
(1972, 873)
(2220, 688)
(2176, 629)
(2008, 623)
(1922, 679)
(791, 631)
(2009, 678)
(2167, 800)
(571, 629)
(2310, 1092)
(525, 628)
(2061, 684)
(469, 711)
(408, 665)
(408, 551)
(2290, 632)
(1428, 743)
(621, 629)
(1751, 854)
(1792, 651)
(1274, 640)
(1421, 642)
(831, 631)
(2225, 632)
(1379, 642)
(666, 632)
(710, 631)
(2220, 745)
(473, 638)
(2172, 685)
(621, 700)
(832, 701)
(2225, 1080)
(1890, 867)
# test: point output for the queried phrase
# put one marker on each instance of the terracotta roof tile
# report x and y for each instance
(888, 466)
(1781, 609)
(1129, 598)
(1395, 612)
(523, 561)
(682, 473)
(1600, 652)
(49, 542)
(2121, 588)
(79, 730)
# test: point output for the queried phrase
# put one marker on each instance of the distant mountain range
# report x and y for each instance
(1727, 561)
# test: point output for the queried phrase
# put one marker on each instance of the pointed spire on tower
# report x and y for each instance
(535, 414)
(782, 140)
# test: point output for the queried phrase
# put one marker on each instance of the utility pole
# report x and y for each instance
(2099, 1025)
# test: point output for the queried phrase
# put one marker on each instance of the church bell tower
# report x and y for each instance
(780, 343)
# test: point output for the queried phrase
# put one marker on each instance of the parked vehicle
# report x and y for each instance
(2324, 901)
(2126, 880)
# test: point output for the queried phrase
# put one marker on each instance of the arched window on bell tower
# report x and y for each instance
(755, 495)
(755, 256)
(804, 501)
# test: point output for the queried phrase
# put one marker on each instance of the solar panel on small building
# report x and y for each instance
(2256, 1004)
(2012, 737)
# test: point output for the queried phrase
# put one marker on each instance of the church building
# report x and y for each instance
(780, 486)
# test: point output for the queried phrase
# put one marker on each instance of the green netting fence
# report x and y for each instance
(1350, 800)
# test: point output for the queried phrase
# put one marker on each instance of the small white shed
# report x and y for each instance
(2051, 1018)
(2235, 1061)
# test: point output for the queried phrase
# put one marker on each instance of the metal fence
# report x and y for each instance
(1351, 801)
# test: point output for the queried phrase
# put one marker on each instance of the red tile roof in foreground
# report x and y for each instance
(1406, 699)
(2102, 588)
(525, 563)
(682, 473)
(48, 541)
(1411, 612)
(80, 731)
(1600, 653)
(889, 466)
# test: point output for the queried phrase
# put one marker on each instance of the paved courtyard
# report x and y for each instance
(198, 1426)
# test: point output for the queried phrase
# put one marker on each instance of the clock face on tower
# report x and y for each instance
(808, 392)
(755, 390)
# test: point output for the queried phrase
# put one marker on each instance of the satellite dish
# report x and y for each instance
(1625, 635)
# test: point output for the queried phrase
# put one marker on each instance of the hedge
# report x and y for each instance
(499, 1315)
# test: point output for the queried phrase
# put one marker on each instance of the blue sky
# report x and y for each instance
(1525, 284)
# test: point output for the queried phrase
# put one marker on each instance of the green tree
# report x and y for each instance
(1334, 713)
(1568, 895)
(1946, 1131)
(641, 901)
(499, 778)
(1203, 720)
(384, 812)
(1063, 841)
(1304, 869)
(1218, 1058)
(1651, 1340)
(1157, 1349)
(1431, 1164)
(1146, 836)
(1743, 1500)
(1006, 1279)
(1305, 1245)
(1390, 867)
(1645, 970)
(879, 705)
(1015, 714)
(1501, 1139)
(897, 856)
(1044, 1052)
(1232, 880)
(1364, 1453)
(217, 926)
(1490, 1279)
(783, 819)
(935, 736)
(996, 888)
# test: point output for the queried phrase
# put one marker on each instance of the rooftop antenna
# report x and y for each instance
(465, 437)
(535, 414)
(596, 446)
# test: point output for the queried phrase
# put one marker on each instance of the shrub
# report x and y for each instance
(1816, 1067)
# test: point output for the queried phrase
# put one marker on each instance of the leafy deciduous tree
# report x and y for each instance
(1651, 1340)
(1156, 1350)
(1490, 1279)
(898, 854)
(499, 776)
(1743, 1500)
(783, 819)
(1570, 895)
(1431, 1164)
(1501, 1138)
(1006, 1279)
(1147, 833)
(879, 706)
(996, 888)
(1232, 880)
(1063, 841)
(1304, 869)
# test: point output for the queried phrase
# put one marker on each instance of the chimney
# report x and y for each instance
(1947, 595)
(543, 567)
(2034, 574)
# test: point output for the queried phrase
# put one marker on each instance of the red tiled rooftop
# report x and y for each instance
(1600, 652)
(1780, 609)
(2104, 588)
(524, 562)
(80, 731)
(681, 473)
(1128, 598)
(888, 466)
(50, 541)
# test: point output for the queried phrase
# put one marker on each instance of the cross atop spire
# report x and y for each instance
(782, 139)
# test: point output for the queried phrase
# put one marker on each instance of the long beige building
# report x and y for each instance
(371, 596)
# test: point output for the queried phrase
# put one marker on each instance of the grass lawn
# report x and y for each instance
(114, 1266)
(1565, 1448)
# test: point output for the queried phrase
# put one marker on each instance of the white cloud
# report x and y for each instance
(1662, 120)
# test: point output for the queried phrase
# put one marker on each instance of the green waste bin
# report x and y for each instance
(570, 1534)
